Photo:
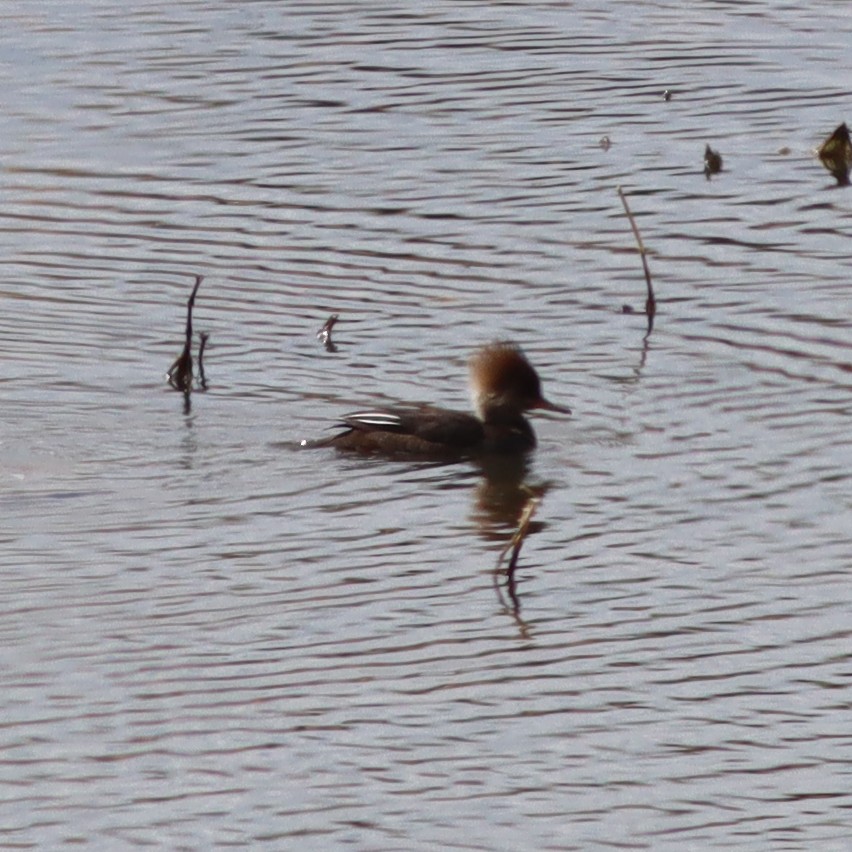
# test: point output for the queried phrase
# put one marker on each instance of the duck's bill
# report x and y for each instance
(546, 405)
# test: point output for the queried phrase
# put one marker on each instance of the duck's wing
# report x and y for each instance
(383, 420)
(433, 425)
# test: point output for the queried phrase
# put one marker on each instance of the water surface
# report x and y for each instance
(212, 637)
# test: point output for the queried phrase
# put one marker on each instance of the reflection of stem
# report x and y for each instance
(644, 357)
(515, 608)
(650, 301)
(511, 587)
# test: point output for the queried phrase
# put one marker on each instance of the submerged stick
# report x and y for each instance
(650, 301)
(180, 373)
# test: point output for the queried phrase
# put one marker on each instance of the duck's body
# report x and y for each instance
(428, 430)
(503, 385)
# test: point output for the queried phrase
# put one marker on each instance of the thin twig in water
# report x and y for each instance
(180, 373)
(650, 301)
(203, 337)
(515, 544)
(324, 334)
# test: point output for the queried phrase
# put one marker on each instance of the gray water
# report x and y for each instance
(212, 636)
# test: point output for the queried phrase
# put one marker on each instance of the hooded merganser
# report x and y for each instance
(503, 386)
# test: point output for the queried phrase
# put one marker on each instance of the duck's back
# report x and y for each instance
(411, 430)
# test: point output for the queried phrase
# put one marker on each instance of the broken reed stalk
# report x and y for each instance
(650, 301)
(324, 334)
(516, 543)
(180, 373)
(203, 337)
(189, 306)
(517, 540)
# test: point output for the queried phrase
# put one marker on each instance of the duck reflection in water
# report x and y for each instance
(498, 438)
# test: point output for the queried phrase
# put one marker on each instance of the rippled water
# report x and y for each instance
(211, 637)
